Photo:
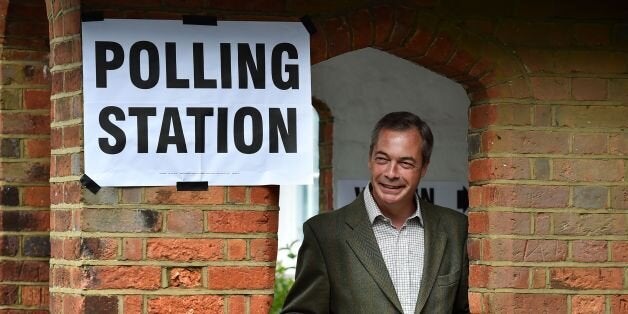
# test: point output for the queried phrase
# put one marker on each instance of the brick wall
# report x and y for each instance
(547, 145)
(24, 157)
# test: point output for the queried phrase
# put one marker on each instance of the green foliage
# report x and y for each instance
(283, 282)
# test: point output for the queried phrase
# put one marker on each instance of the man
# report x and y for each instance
(388, 251)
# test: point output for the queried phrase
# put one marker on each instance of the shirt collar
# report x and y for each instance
(373, 210)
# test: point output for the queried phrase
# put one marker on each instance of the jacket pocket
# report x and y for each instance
(448, 279)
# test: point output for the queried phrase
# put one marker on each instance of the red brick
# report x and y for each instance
(184, 221)
(37, 148)
(184, 249)
(25, 123)
(30, 271)
(122, 277)
(35, 296)
(338, 37)
(503, 250)
(618, 144)
(539, 278)
(261, 304)
(36, 196)
(542, 115)
(588, 170)
(318, 46)
(478, 276)
(594, 143)
(525, 196)
(499, 168)
(72, 136)
(587, 278)
(256, 5)
(619, 251)
(189, 277)
(619, 197)
(478, 222)
(543, 224)
(264, 250)
(404, 24)
(508, 277)
(120, 220)
(265, 195)
(244, 277)
(527, 303)
(537, 60)
(589, 224)
(550, 88)
(520, 33)
(132, 249)
(589, 88)
(592, 116)
(440, 50)
(132, 304)
(61, 220)
(584, 304)
(589, 251)
(36, 99)
(476, 302)
(236, 249)
(192, 304)
(384, 23)
(619, 304)
(8, 294)
(589, 34)
(545, 251)
(170, 195)
(236, 194)
(461, 61)
(237, 304)
(25, 220)
(525, 142)
(509, 223)
(590, 61)
(361, 29)
(242, 221)
(507, 114)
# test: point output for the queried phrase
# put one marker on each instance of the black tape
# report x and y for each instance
(200, 20)
(309, 25)
(94, 16)
(192, 186)
(89, 184)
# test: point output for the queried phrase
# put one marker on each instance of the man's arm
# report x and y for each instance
(461, 302)
(310, 292)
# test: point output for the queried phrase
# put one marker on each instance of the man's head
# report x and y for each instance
(401, 145)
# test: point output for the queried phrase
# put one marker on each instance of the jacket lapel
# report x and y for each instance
(364, 245)
(435, 242)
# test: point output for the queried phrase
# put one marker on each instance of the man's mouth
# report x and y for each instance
(391, 187)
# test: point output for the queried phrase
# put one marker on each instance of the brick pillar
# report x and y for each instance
(147, 250)
(24, 157)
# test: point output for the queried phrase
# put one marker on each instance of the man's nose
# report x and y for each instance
(392, 170)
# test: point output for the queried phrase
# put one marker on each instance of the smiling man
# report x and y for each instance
(388, 251)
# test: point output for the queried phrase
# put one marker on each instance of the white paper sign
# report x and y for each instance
(166, 102)
(444, 193)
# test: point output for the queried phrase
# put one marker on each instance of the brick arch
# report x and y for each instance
(325, 150)
(25, 156)
(483, 66)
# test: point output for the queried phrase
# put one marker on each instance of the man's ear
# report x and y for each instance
(424, 169)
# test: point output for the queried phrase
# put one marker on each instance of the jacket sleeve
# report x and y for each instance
(461, 301)
(311, 290)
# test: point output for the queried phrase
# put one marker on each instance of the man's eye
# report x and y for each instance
(381, 160)
(407, 165)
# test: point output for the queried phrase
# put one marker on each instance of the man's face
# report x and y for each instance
(396, 168)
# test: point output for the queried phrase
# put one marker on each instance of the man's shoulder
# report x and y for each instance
(331, 217)
(446, 216)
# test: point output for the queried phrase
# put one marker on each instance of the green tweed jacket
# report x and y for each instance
(340, 268)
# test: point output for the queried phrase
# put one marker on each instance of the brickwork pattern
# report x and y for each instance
(547, 144)
(24, 158)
